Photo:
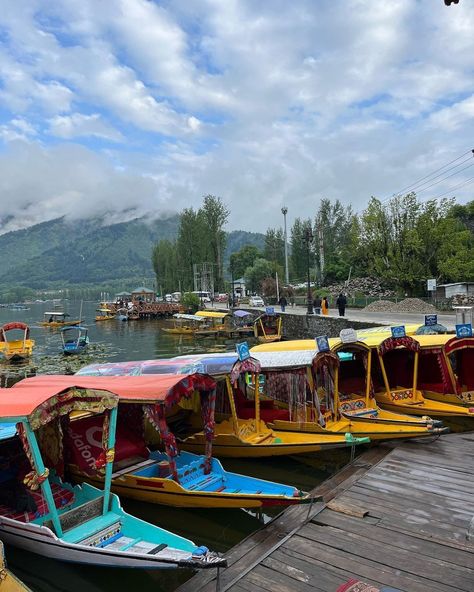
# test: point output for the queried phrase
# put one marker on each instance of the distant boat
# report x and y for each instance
(58, 319)
(267, 328)
(15, 350)
(105, 314)
(18, 307)
(122, 314)
(75, 340)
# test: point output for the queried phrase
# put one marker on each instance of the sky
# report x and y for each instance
(129, 108)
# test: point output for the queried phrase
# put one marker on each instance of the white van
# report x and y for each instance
(176, 297)
(203, 296)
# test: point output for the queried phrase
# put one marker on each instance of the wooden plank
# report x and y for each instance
(390, 555)
(410, 541)
(364, 568)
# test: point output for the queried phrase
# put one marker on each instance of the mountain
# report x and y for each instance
(61, 253)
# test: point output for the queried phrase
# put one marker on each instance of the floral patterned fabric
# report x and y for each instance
(250, 365)
(156, 415)
(393, 342)
(71, 400)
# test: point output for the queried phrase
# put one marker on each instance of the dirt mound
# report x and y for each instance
(381, 306)
(415, 305)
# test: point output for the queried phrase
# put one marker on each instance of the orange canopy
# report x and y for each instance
(156, 388)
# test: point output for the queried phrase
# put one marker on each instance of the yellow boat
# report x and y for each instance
(184, 324)
(241, 429)
(326, 396)
(58, 319)
(15, 350)
(216, 323)
(397, 377)
(267, 328)
(106, 314)
(8, 581)
(457, 357)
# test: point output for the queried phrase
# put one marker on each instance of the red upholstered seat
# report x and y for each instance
(62, 498)
(268, 411)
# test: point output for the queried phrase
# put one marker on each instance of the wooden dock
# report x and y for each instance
(400, 515)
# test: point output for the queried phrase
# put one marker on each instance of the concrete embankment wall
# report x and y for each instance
(299, 326)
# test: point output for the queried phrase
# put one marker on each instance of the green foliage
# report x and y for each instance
(275, 246)
(259, 271)
(242, 259)
(190, 302)
(215, 216)
(164, 260)
(299, 249)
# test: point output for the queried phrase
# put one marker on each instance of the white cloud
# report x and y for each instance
(260, 103)
(77, 124)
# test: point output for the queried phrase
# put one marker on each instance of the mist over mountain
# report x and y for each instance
(86, 252)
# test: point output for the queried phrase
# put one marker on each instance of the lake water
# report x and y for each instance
(217, 529)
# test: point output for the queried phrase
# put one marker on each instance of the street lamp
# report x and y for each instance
(232, 297)
(284, 211)
(308, 235)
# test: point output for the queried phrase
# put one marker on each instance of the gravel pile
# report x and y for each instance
(415, 305)
(367, 286)
(381, 306)
(407, 305)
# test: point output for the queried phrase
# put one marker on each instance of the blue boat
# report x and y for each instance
(75, 340)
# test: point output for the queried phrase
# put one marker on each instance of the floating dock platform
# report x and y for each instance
(399, 515)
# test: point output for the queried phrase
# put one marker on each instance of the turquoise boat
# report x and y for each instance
(75, 340)
(81, 524)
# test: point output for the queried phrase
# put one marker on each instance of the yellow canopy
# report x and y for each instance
(211, 314)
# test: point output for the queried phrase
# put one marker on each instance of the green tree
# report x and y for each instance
(215, 215)
(299, 252)
(164, 260)
(254, 276)
(242, 259)
(275, 246)
(191, 244)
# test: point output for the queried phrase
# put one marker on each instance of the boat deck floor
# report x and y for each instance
(399, 515)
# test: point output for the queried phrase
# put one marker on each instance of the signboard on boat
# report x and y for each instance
(464, 330)
(398, 331)
(431, 319)
(348, 335)
(243, 351)
(322, 343)
(270, 310)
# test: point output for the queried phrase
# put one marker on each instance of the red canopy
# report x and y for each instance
(157, 388)
(15, 325)
(456, 343)
(393, 342)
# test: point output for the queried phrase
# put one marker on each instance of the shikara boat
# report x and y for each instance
(242, 426)
(58, 319)
(15, 350)
(326, 395)
(185, 324)
(169, 477)
(216, 323)
(459, 355)
(267, 328)
(75, 340)
(8, 581)
(397, 378)
(105, 314)
(81, 524)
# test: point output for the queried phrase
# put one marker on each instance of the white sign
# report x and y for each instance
(348, 335)
(431, 285)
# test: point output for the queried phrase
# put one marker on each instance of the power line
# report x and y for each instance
(466, 182)
(429, 175)
(444, 178)
(417, 189)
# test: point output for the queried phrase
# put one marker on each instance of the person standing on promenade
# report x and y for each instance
(341, 304)
(325, 306)
(283, 303)
(317, 305)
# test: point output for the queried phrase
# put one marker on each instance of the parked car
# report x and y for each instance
(256, 301)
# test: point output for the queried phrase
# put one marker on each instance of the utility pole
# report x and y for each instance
(321, 248)
(284, 211)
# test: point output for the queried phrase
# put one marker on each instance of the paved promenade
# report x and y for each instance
(384, 318)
